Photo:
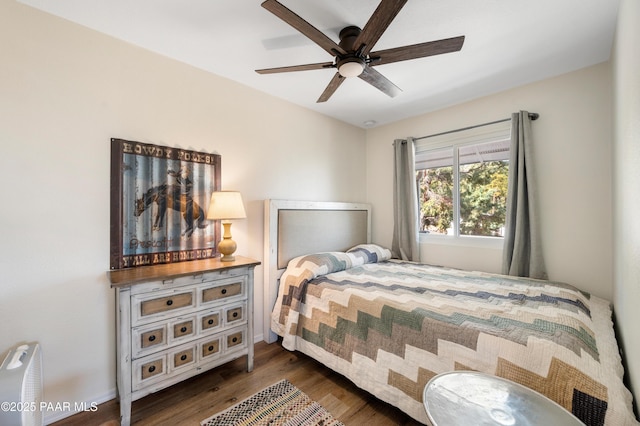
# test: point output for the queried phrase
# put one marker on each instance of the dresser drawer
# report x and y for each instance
(162, 304)
(235, 314)
(148, 370)
(236, 340)
(210, 321)
(223, 291)
(182, 358)
(166, 304)
(211, 348)
(182, 328)
(148, 339)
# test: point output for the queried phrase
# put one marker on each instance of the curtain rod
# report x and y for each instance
(532, 116)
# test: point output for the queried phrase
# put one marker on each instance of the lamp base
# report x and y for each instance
(227, 246)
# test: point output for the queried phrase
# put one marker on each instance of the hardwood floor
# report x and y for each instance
(200, 397)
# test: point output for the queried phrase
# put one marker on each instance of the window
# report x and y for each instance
(462, 181)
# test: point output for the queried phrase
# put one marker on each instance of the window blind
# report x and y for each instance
(478, 144)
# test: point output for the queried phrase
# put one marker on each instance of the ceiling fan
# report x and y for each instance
(353, 55)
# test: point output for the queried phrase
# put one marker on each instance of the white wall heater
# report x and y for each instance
(21, 386)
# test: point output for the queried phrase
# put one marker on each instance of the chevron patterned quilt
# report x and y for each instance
(390, 326)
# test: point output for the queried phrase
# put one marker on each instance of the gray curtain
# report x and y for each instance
(405, 202)
(522, 252)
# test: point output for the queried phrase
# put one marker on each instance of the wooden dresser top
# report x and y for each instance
(141, 274)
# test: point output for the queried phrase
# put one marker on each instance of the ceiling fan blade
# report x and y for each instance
(377, 24)
(335, 82)
(291, 68)
(379, 81)
(303, 26)
(414, 51)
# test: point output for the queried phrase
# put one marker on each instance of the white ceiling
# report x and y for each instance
(508, 43)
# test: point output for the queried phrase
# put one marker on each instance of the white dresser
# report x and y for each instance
(178, 320)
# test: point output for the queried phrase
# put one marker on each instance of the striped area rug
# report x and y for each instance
(279, 404)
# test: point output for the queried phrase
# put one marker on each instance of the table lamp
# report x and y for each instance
(226, 206)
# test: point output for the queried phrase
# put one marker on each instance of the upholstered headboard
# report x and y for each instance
(296, 228)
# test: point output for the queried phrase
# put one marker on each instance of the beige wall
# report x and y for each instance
(573, 151)
(626, 66)
(64, 92)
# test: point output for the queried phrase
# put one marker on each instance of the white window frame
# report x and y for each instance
(494, 132)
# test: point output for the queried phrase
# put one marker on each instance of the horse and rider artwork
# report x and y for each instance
(172, 197)
(159, 199)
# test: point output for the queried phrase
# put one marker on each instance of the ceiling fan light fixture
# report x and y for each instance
(351, 67)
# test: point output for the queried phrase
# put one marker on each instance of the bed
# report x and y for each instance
(390, 325)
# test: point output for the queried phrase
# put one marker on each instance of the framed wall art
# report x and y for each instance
(159, 201)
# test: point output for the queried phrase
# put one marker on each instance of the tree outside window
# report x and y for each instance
(463, 189)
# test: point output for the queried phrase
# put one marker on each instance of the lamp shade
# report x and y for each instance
(226, 205)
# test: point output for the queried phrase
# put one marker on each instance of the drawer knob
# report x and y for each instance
(152, 369)
(234, 340)
(210, 322)
(210, 348)
(224, 291)
(169, 302)
(183, 330)
(183, 357)
(235, 314)
(152, 338)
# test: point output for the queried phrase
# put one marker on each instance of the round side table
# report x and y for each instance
(470, 398)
